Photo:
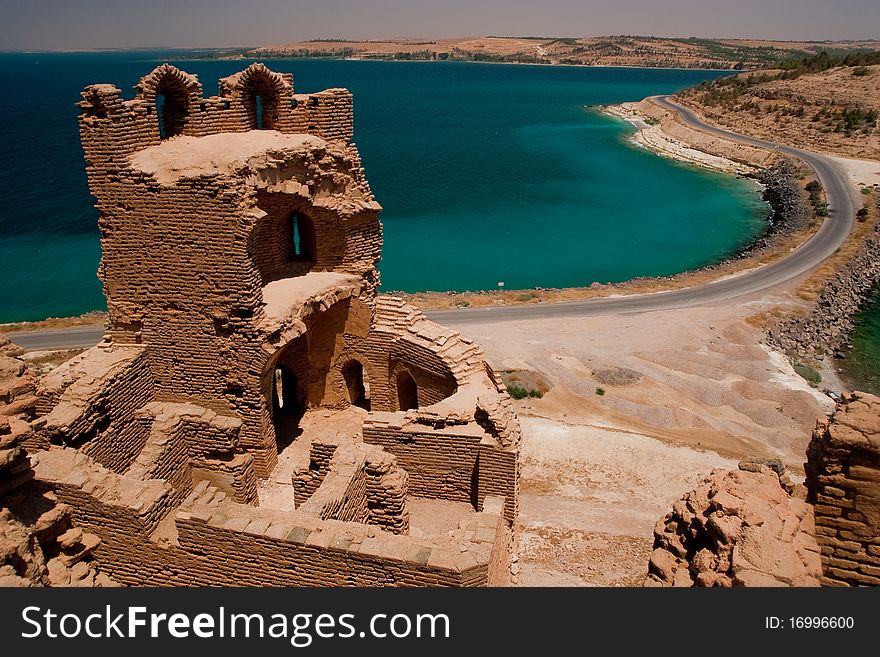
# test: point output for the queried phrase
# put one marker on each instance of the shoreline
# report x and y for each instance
(742, 259)
(749, 256)
(463, 61)
(649, 135)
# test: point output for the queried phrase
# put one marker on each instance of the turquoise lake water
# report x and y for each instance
(863, 360)
(487, 173)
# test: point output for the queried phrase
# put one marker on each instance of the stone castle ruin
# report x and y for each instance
(257, 414)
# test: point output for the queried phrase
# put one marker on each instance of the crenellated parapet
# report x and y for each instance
(170, 102)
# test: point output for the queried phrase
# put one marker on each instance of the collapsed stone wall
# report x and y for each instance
(39, 545)
(755, 528)
(97, 395)
(307, 480)
(826, 326)
(843, 476)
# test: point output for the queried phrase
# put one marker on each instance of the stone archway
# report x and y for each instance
(170, 93)
(407, 391)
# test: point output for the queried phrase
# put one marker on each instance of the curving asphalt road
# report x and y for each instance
(833, 232)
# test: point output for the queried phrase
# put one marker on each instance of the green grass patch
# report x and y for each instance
(808, 373)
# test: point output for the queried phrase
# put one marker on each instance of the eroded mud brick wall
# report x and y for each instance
(98, 411)
(843, 477)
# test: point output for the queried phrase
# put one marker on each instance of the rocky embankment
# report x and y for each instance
(828, 323)
(790, 211)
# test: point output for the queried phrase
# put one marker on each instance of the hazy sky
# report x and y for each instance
(72, 24)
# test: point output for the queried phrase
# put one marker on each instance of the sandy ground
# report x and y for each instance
(590, 498)
(684, 392)
(862, 173)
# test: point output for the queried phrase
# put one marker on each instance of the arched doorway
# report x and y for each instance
(407, 391)
(287, 406)
(356, 384)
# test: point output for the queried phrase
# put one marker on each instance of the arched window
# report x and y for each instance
(172, 108)
(261, 98)
(302, 237)
(356, 385)
(407, 391)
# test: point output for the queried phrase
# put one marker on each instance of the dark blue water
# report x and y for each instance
(487, 173)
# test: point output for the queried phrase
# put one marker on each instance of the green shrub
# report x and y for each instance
(528, 296)
(600, 391)
(862, 214)
(861, 71)
(518, 392)
(652, 121)
(462, 303)
(814, 187)
(808, 373)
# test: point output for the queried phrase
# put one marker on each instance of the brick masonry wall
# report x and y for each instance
(97, 409)
(131, 125)
(452, 463)
(843, 478)
(307, 481)
(223, 543)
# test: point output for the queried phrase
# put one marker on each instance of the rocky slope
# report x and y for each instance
(826, 326)
(833, 111)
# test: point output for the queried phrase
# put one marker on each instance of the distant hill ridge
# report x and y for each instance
(621, 50)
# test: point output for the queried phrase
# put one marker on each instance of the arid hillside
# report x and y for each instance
(834, 109)
(590, 51)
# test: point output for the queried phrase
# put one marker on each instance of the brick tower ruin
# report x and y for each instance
(257, 414)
